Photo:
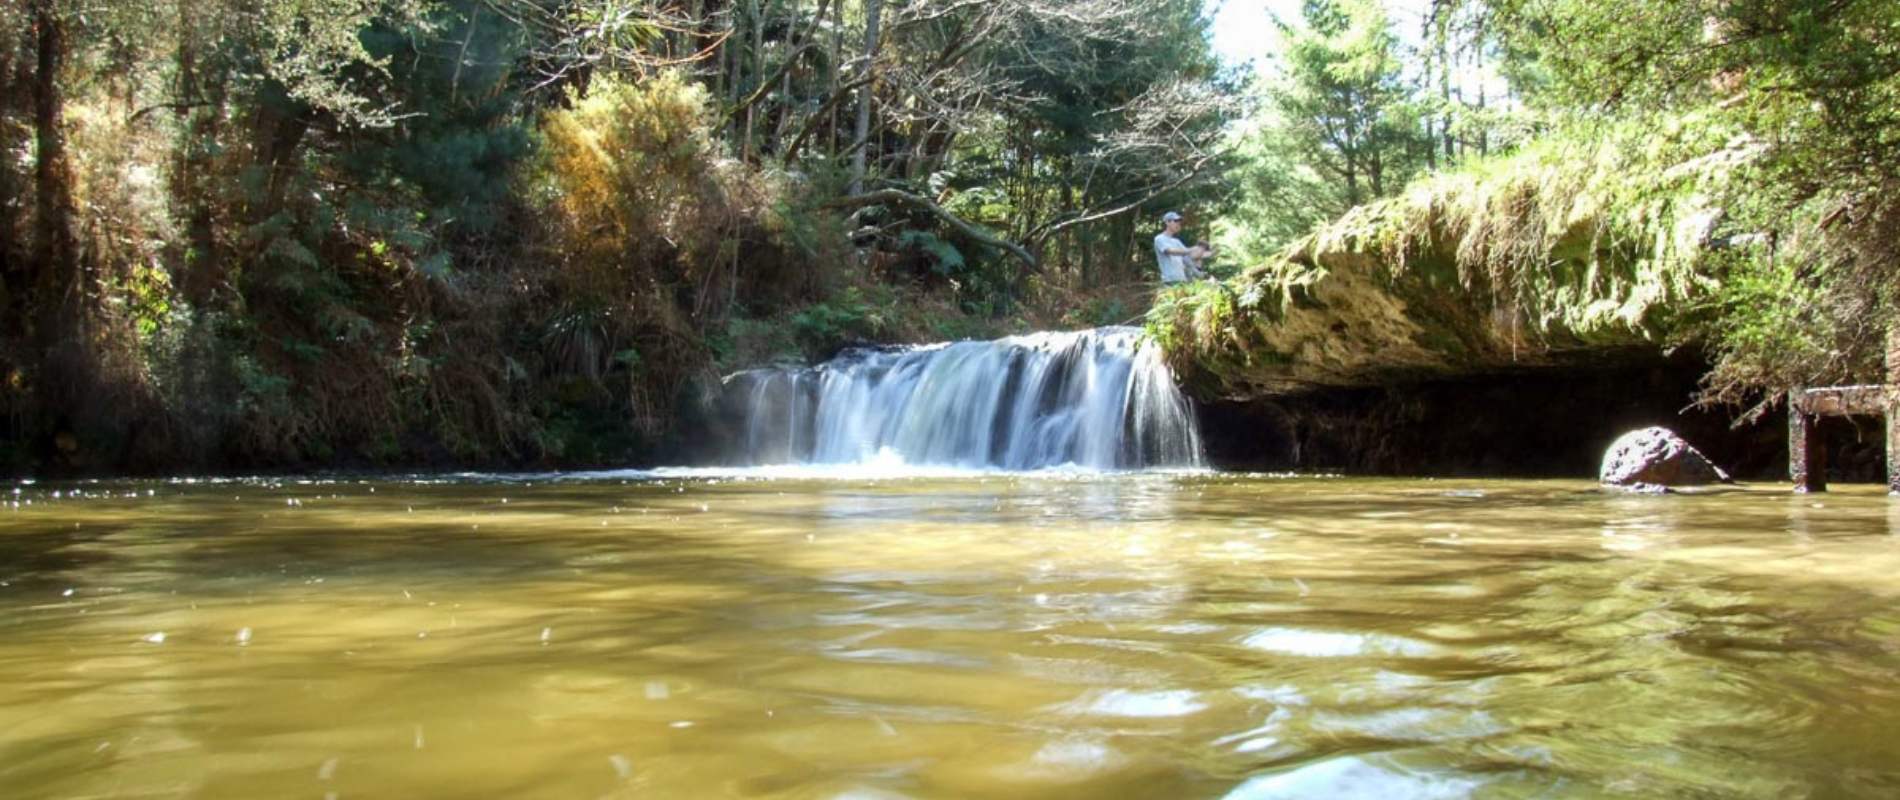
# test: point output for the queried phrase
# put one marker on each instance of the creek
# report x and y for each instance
(1058, 634)
(978, 600)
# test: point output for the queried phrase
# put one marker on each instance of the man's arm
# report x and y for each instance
(1196, 255)
(1177, 251)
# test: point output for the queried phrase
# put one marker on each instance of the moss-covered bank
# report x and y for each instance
(1598, 246)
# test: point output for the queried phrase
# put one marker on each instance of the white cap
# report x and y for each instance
(1170, 216)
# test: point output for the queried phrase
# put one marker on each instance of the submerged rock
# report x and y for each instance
(1652, 459)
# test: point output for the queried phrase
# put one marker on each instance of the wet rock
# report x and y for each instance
(1643, 488)
(1652, 459)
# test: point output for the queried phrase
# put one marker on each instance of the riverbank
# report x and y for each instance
(1519, 311)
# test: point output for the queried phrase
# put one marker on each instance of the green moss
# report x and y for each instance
(1593, 235)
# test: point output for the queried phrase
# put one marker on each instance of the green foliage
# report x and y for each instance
(632, 171)
(1768, 326)
(748, 342)
(453, 164)
(1597, 231)
(822, 329)
(315, 50)
(1817, 84)
(370, 231)
(1342, 125)
(945, 258)
(1106, 108)
(1598, 235)
(1733, 198)
(1279, 196)
(962, 327)
(1344, 101)
(654, 229)
(1099, 312)
(1193, 324)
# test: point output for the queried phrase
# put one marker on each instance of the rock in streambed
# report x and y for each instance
(1656, 459)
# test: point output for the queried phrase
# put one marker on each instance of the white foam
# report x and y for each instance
(1333, 644)
(1128, 703)
(1354, 776)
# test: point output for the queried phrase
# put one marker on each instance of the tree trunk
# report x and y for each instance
(202, 273)
(702, 15)
(1088, 255)
(280, 135)
(757, 11)
(57, 248)
(962, 226)
(10, 258)
(831, 82)
(56, 303)
(1444, 93)
(732, 62)
(796, 44)
(861, 142)
(1484, 136)
(792, 45)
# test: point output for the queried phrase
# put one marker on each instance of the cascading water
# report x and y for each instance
(1097, 399)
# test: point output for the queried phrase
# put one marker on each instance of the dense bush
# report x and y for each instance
(655, 238)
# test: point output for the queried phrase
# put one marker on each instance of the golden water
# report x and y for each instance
(1124, 636)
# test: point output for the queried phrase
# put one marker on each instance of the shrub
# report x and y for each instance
(659, 234)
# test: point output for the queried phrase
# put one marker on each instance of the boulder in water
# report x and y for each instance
(1656, 458)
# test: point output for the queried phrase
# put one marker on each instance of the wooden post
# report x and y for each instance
(1807, 452)
(1893, 408)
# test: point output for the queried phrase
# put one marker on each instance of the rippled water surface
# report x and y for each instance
(1173, 636)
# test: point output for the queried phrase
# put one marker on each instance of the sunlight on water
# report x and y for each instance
(807, 632)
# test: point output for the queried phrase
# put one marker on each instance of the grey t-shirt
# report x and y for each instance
(1174, 268)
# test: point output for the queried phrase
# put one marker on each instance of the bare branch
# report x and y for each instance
(1141, 197)
(963, 226)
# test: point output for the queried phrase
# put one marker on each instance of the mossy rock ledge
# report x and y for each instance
(1587, 253)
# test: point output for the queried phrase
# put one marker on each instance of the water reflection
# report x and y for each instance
(979, 635)
(1354, 776)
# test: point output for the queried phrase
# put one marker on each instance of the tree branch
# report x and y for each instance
(175, 106)
(765, 86)
(963, 226)
(811, 122)
(1043, 232)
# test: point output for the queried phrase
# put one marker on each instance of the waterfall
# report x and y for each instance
(1098, 399)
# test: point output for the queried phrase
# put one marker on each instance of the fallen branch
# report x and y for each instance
(179, 106)
(963, 226)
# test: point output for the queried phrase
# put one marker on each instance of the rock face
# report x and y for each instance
(1656, 457)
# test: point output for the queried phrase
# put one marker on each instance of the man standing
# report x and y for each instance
(1178, 261)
